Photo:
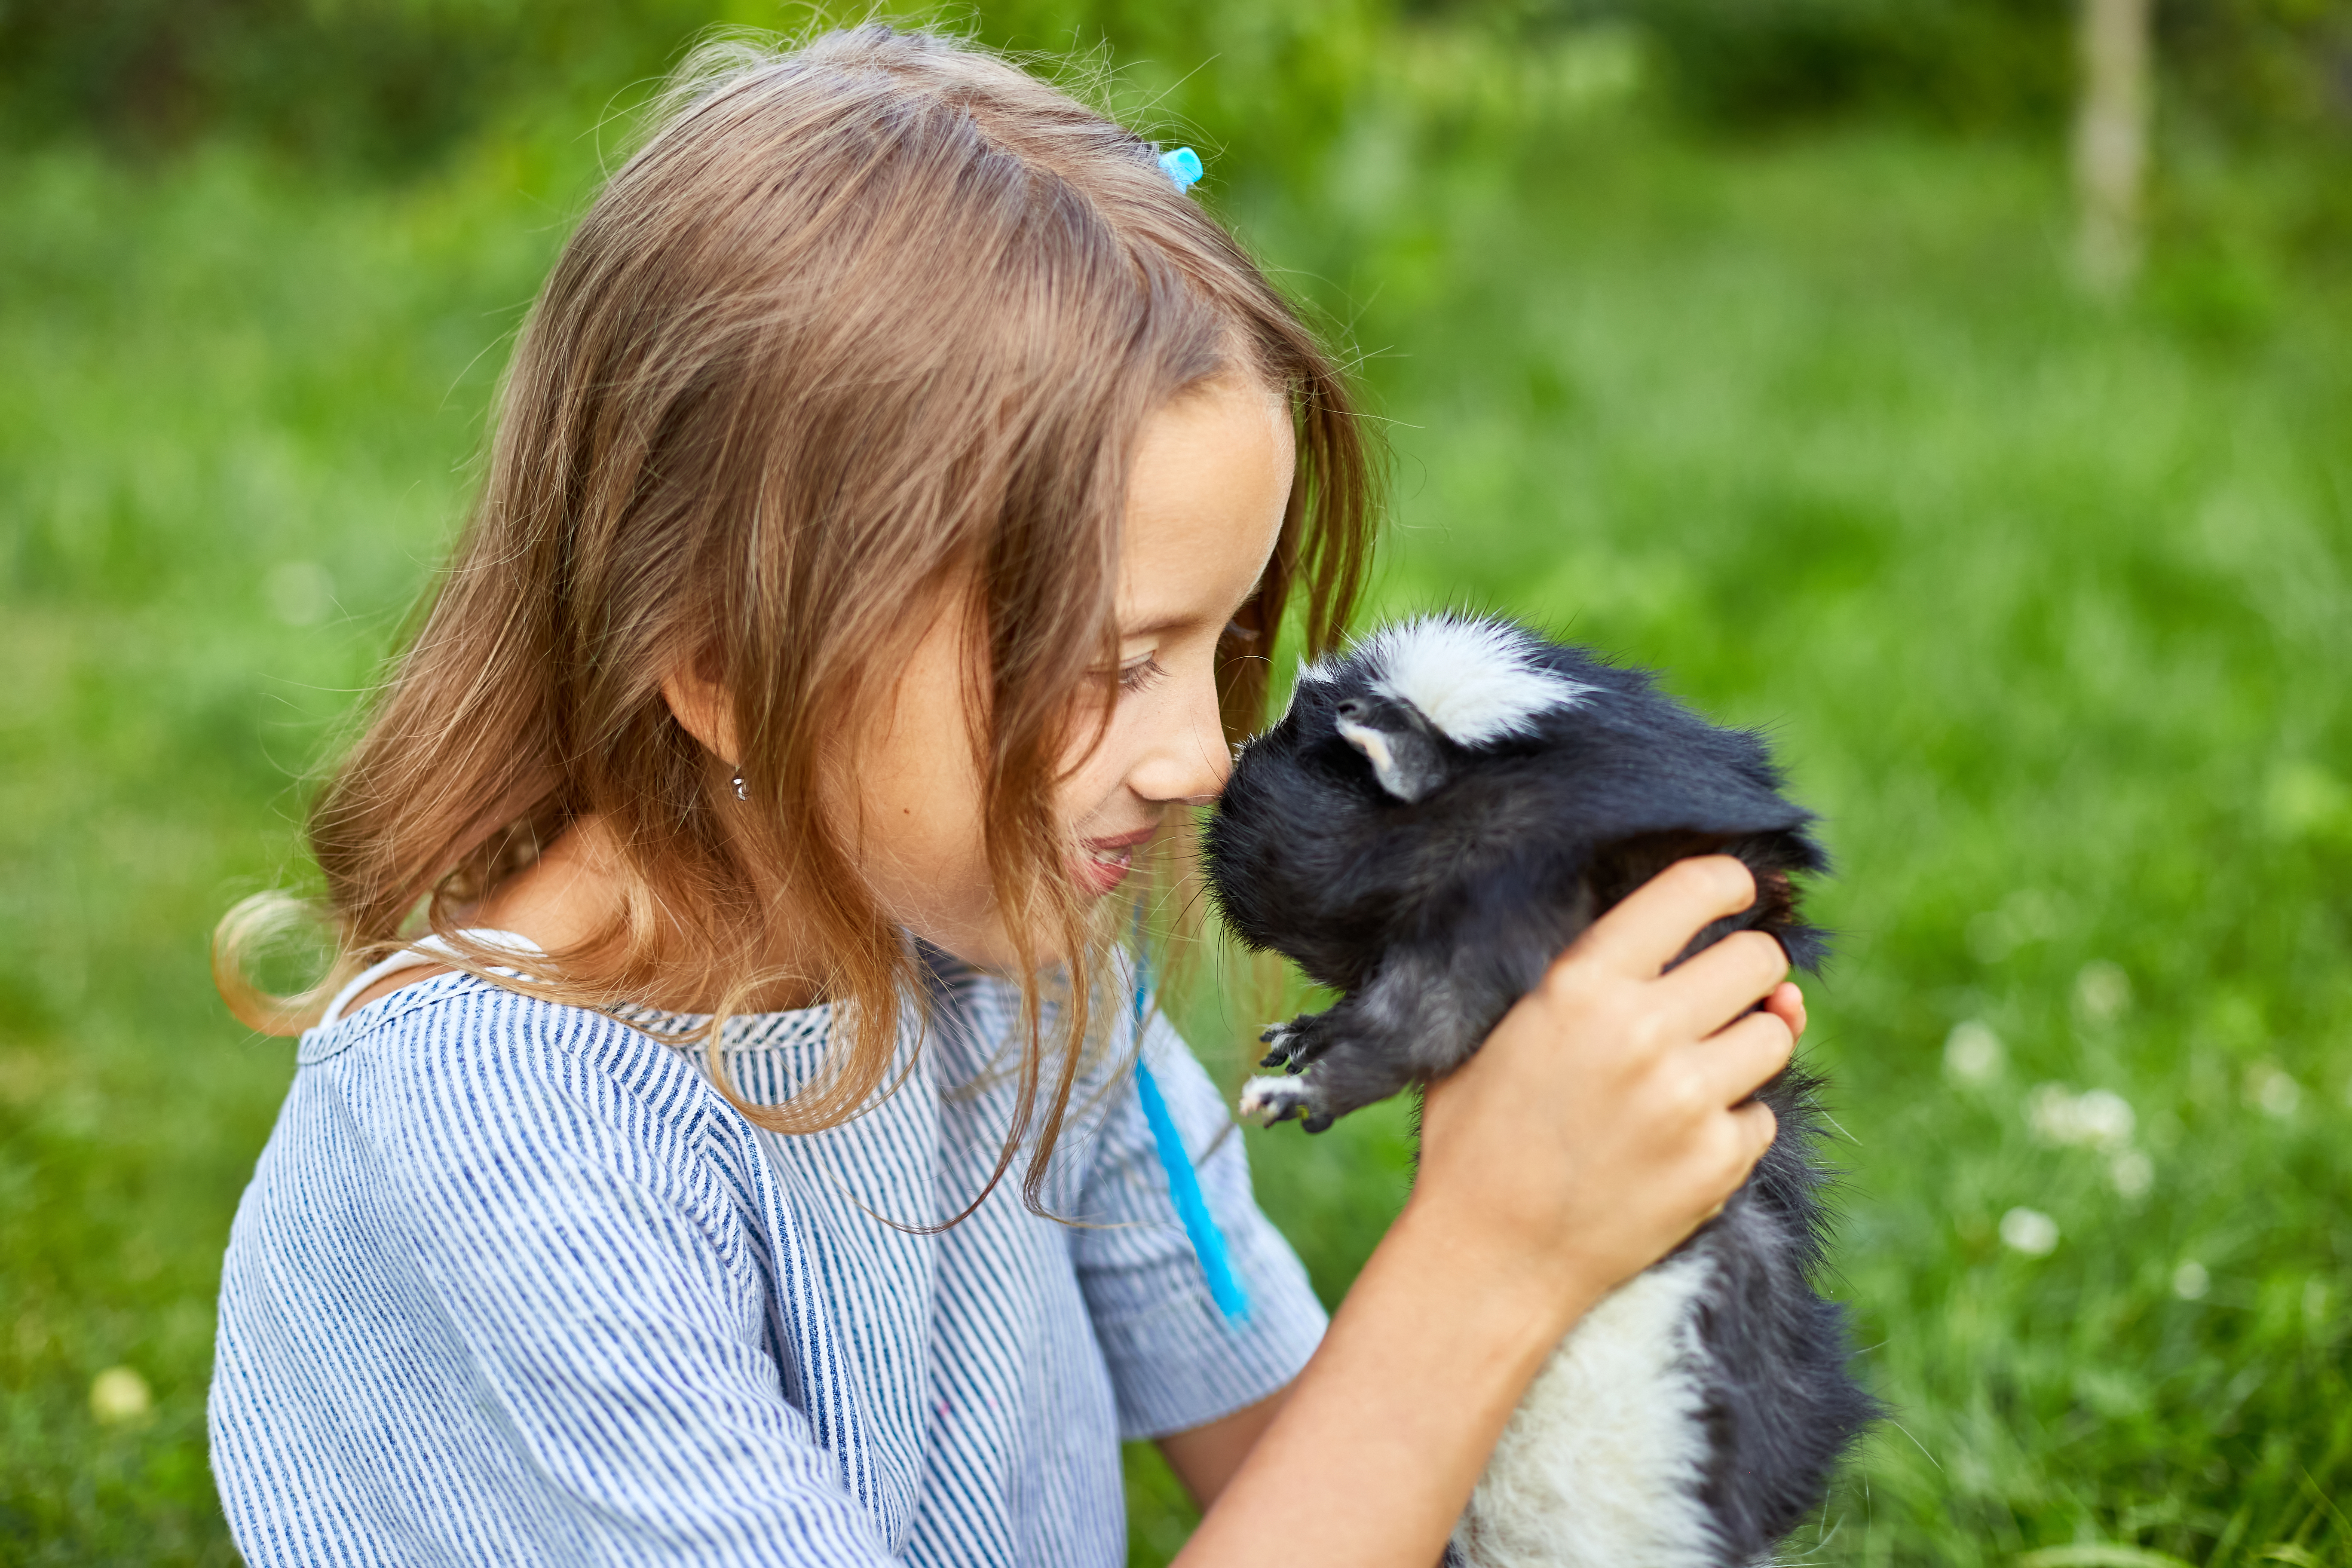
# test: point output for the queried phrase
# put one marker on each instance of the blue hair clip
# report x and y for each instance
(1181, 166)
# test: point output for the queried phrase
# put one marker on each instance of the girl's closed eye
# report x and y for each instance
(1137, 675)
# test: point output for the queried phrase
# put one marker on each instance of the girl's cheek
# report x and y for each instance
(1090, 784)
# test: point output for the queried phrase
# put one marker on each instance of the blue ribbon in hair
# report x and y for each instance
(1183, 1181)
(1182, 165)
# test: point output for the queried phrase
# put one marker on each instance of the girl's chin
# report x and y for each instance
(994, 953)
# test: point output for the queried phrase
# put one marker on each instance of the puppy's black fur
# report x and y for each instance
(1424, 835)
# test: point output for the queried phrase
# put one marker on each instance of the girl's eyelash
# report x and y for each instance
(1136, 676)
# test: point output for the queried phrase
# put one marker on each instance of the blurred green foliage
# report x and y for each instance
(2047, 605)
(2231, 68)
(394, 84)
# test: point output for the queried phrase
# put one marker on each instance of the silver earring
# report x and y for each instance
(740, 793)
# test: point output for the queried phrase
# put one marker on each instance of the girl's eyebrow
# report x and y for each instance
(1176, 620)
(1161, 624)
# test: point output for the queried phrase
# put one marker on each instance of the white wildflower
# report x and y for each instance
(118, 1395)
(2096, 1119)
(2029, 1231)
(2190, 1282)
(2133, 1173)
(2103, 992)
(2103, 1118)
(1972, 1052)
(2050, 1112)
(2269, 1086)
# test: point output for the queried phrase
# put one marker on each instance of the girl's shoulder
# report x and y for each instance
(460, 1060)
(460, 1070)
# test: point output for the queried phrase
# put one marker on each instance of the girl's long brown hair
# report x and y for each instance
(866, 323)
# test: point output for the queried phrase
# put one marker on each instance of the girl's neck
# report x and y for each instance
(573, 895)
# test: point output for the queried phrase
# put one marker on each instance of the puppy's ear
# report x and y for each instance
(1397, 740)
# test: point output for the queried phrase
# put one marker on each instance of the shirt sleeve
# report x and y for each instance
(1176, 1361)
(613, 1306)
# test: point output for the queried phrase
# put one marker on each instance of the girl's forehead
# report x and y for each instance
(1205, 499)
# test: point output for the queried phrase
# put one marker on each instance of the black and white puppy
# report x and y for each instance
(1430, 824)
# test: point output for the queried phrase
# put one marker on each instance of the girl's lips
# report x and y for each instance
(1102, 863)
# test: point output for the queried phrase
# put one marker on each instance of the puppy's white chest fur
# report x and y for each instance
(1600, 1464)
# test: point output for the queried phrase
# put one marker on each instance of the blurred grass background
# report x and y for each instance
(1736, 338)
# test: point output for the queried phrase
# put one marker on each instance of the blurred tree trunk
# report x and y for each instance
(2111, 142)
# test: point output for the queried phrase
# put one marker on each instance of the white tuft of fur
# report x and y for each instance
(1475, 680)
(1600, 1464)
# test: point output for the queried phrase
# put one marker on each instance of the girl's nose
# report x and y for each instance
(1187, 763)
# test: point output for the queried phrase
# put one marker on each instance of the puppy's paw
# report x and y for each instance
(1266, 1100)
(1296, 1042)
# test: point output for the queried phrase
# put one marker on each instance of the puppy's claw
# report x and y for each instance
(1268, 1100)
(1293, 1046)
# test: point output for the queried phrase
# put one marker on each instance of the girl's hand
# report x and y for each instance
(1608, 1115)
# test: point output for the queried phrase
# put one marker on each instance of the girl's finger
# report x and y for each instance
(1788, 1004)
(1753, 1128)
(1726, 981)
(1643, 933)
(1741, 1059)
(1758, 1126)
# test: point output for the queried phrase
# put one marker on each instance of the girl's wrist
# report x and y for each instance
(1529, 1293)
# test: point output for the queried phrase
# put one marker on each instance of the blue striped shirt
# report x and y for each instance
(513, 1283)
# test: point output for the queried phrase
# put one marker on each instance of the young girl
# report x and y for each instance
(898, 491)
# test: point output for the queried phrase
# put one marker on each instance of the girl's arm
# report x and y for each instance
(1205, 1458)
(1604, 1121)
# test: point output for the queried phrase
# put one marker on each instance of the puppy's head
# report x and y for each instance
(1415, 699)
(1371, 742)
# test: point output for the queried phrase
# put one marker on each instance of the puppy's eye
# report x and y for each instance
(1138, 674)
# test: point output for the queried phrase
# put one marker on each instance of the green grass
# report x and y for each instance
(2047, 605)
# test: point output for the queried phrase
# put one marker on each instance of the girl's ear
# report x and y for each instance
(705, 708)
